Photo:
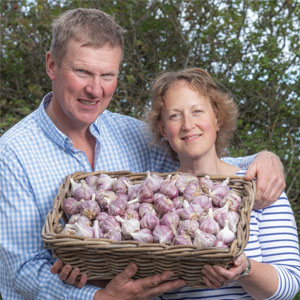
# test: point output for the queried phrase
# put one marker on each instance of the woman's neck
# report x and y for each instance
(210, 166)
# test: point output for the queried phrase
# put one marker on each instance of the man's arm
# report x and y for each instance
(268, 170)
(22, 252)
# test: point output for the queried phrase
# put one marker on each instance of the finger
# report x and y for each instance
(63, 275)
(212, 273)
(164, 287)
(153, 281)
(71, 279)
(127, 274)
(251, 171)
(58, 265)
(82, 281)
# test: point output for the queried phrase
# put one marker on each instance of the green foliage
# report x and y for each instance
(250, 47)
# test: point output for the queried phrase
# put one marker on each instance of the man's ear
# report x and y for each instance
(50, 66)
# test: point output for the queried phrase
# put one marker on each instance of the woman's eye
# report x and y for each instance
(174, 117)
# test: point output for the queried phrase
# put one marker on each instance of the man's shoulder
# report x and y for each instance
(20, 133)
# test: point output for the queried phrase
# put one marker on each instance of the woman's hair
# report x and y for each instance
(224, 107)
(90, 26)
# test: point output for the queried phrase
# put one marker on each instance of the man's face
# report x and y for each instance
(83, 84)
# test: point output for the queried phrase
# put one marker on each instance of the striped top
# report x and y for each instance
(274, 240)
(35, 157)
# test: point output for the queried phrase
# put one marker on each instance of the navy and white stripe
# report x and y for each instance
(273, 239)
(35, 157)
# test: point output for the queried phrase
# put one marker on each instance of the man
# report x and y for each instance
(72, 131)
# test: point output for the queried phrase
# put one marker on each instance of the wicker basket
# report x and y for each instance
(103, 258)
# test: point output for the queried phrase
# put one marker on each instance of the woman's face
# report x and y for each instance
(188, 122)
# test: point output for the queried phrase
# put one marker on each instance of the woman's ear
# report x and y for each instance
(50, 66)
(161, 129)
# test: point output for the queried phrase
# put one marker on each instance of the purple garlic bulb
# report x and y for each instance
(149, 221)
(234, 199)
(203, 200)
(80, 219)
(128, 226)
(105, 182)
(110, 224)
(144, 236)
(219, 192)
(118, 206)
(178, 202)
(101, 217)
(83, 230)
(190, 212)
(171, 219)
(114, 235)
(192, 190)
(206, 184)
(90, 208)
(169, 188)
(105, 198)
(130, 214)
(91, 180)
(132, 189)
(69, 229)
(204, 239)
(145, 208)
(71, 206)
(182, 180)
(162, 234)
(83, 191)
(209, 224)
(182, 239)
(152, 182)
(119, 187)
(188, 227)
(162, 204)
(226, 235)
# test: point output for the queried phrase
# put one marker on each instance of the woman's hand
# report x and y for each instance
(216, 276)
(270, 182)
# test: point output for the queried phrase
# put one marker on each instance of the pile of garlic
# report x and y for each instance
(180, 209)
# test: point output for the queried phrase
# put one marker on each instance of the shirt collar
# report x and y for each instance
(53, 133)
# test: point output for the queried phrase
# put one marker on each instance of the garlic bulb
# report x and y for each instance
(182, 239)
(83, 230)
(90, 208)
(169, 188)
(162, 234)
(144, 236)
(105, 182)
(204, 239)
(171, 219)
(192, 190)
(83, 191)
(149, 221)
(188, 227)
(128, 226)
(209, 224)
(71, 206)
(182, 180)
(162, 204)
(119, 187)
(152, 182)
(225, 234)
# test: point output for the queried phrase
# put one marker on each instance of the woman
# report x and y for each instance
(195, 119)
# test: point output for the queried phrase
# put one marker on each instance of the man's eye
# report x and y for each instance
(81, 72)
(108, 76)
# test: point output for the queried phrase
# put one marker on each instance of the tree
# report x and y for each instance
(250, 47)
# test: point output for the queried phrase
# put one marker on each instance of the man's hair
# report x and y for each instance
(89, 26)
(225, 109)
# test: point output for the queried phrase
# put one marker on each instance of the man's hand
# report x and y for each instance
(123, 287)
(270, 182)
(69, 275)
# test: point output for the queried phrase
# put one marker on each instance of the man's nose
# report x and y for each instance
(94, 87)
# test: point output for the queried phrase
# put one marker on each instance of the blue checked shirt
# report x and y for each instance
(35, 157)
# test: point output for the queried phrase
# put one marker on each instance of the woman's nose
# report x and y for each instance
(188, 123)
